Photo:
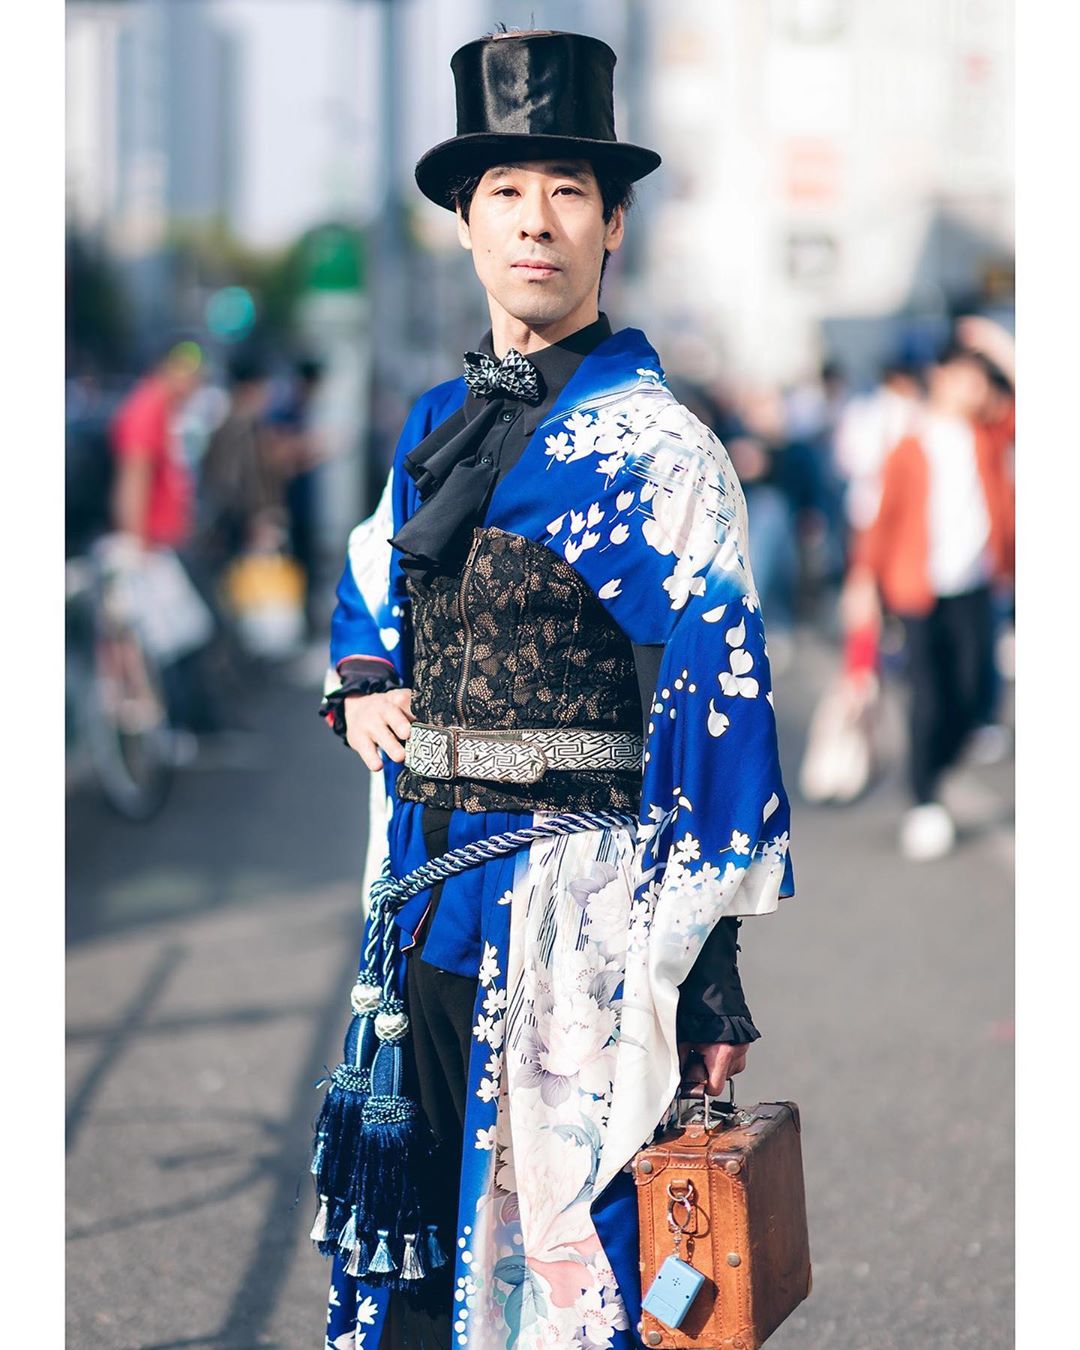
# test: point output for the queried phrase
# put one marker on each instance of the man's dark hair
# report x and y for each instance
(308, 370)
(247, 367)
(615, 191)
(954, 352)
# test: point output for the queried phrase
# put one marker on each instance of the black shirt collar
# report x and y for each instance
(556, 365)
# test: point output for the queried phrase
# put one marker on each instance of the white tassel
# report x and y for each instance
(412, 1268)
(318, 1230)
(348, 1239)
(382, 1263)
(353, 1267)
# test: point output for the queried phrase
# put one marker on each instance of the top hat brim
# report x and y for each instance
(465, 156)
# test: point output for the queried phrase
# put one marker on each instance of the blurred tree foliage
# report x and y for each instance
(206, 255)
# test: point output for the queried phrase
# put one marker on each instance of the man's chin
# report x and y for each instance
(536, 311)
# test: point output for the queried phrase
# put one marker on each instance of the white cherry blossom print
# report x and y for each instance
(718, 722)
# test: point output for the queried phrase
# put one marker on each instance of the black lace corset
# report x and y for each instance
(518, 639)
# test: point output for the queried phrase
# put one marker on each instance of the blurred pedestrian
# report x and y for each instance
(777, 478)
(153, 514)
(940, 540)
(241, 505)
(299, 456)
(990, 740)
(813, 409)
(153, 493)
(870, 426)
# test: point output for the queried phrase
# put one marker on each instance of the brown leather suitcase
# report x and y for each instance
(735, 1189)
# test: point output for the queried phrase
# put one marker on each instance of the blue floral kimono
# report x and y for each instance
(580, 943)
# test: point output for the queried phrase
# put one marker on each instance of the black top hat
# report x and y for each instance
(531, 96)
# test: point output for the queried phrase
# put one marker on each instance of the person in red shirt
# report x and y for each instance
(153, 492)
(153, 508)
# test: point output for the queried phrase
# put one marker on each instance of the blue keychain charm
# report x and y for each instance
(677, 1282)
(672, 1292)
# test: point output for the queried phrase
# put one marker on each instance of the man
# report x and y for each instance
(152, 492)
(871, 426)
(240, 494)
(300, 456)
(941, 539)
(153, 515)
(568, 582)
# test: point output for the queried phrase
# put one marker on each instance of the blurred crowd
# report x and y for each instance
(880, 517)
(196, 486)
(884, 518)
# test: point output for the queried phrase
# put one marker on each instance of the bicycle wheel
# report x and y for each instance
(128, 732)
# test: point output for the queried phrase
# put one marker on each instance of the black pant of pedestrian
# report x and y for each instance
(440, 1008)
(949, 655)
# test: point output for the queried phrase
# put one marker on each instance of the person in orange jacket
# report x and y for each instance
(941, 540)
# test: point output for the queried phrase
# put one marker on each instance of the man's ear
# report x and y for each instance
(463, 233)
(613, 236)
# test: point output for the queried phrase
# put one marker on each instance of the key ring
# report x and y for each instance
(684, 1201)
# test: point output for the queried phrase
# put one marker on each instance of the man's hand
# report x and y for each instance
(860, 606)
(377, 722)
(712, 1065)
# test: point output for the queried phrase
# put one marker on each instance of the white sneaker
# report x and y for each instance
(927, 832)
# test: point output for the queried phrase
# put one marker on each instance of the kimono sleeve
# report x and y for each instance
(369, 617)
(665, 548)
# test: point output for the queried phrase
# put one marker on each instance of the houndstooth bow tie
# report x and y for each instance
(514, 376)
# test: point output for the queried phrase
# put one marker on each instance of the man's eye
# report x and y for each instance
(576, 192)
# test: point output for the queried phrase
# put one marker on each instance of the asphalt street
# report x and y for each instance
(210, 955)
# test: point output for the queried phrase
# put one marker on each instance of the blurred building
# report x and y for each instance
(826, 161)
(152, 122)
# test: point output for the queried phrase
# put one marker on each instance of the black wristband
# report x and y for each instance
(356, 679)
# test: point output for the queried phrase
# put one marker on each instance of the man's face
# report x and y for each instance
(538, 237)
(962, 386)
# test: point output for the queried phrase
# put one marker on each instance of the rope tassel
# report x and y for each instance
(372, 1161)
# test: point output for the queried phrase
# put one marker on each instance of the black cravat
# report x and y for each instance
(459, 463)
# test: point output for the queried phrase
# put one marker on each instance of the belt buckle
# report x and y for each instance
(522, 761)
(425, 762)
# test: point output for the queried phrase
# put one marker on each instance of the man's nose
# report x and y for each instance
(537, 218)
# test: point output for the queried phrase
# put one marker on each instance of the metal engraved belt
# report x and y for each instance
(520, 756)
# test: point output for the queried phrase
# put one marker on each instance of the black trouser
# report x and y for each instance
(440, 1008)
(949, 660)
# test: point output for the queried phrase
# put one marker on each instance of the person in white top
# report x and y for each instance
(869, 427)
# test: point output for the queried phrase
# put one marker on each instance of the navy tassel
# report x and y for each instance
(335, 1164)
(436, 1257)
(374, 1146)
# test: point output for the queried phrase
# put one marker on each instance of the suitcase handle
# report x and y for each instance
(727, 1113)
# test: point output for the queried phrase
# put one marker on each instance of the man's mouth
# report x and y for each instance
(535, 267)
